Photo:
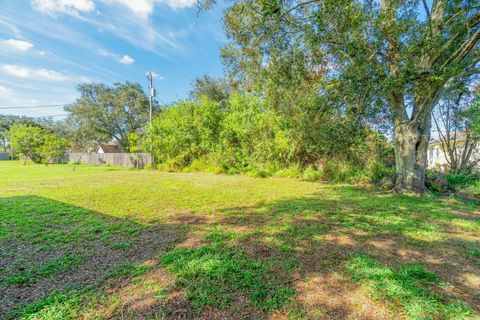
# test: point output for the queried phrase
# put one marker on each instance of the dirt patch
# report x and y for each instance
(331, 296)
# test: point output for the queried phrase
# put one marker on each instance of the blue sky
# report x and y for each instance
(49, 46)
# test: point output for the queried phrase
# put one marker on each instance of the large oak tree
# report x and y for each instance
(104, 113)
(398, 56)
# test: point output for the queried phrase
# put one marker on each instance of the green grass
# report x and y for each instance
(409, 286)
(214, 274)
(105, 242)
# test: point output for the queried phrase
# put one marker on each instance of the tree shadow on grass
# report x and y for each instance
(324, 232)
(287, 259)
(48, 246)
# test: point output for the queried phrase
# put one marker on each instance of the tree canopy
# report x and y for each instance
(388, 57)
(105, 113)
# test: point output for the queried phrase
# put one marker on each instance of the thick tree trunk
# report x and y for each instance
(411, 145)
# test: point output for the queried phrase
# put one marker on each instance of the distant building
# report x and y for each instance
(109, 148)
(437, 158)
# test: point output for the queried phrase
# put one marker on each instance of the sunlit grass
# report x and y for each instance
(254, 239)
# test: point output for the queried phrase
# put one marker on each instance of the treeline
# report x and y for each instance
(239, 133)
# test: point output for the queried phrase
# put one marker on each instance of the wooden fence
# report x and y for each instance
(128, 160)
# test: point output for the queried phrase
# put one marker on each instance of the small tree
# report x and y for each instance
(26, 141)
(135, 148)
(53, 147)
(456, 119)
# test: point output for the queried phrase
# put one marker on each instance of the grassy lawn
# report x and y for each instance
(103, 243)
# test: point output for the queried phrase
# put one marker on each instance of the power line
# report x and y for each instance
(33, 107)
(53, 116)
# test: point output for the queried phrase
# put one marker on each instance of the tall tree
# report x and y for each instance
(104, 113)
(389, 55)
(215, 89)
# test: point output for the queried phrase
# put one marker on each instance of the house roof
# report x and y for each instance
(110, 148)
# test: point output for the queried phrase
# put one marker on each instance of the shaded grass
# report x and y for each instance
(49, 268)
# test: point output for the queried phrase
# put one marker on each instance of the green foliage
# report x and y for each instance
(252, 135)
(410, 286)
(472, 114)
(26, 140)
(36, 143)
(462, 183)
(311, 174)
(103, 113)
(243, 135)
(6, 122)
(209, 87)
(53, 147)
(378, 61)
(185, 132)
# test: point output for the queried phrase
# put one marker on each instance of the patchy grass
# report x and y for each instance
(215, 274)
(410, 286)
(104, 242)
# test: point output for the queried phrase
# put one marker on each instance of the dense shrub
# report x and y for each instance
(437, 182)
(242, 135)
(466, 184)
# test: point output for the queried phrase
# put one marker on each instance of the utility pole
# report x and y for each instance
(152, 94)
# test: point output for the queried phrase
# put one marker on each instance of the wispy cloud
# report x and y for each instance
(30, 73)
(72, 7)
(9, 97)
(156, 75)
(41, 74)
(178, 4)
(144, 8)
(16, 45)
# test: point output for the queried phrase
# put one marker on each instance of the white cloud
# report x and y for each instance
(17, 45)
(156, 75)
(178, 4)
(9, 97)
(126, 60)
(5, 90)
(73, 7)
(141, 8)
(30, 73)
(144, 8)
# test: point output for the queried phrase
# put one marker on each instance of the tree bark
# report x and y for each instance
(411, 145)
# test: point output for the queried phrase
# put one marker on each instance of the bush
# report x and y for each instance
(462, 180)
(312, 174)
(437, 182)
(472, 190)
(243, 135)
(292, 171)
(462, 183)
